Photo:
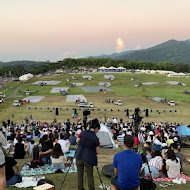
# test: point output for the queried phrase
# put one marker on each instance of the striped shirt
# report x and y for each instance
(157, 162)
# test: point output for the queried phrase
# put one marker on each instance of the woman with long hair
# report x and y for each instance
(172, 165)
(57, 157)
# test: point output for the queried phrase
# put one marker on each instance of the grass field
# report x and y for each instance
(105, 157)
(123, 89)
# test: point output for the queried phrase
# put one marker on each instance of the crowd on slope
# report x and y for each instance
(161, 146)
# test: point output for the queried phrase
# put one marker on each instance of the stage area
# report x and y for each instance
(77, 84)
(176, 83)
(149, 83)
(73, 98)
(95, 89)
(104, 83)
(58, 89)
(34, 99)
(50, 82)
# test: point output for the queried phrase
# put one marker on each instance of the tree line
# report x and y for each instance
(69, 64)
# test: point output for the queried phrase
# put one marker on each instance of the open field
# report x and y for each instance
(123, 88)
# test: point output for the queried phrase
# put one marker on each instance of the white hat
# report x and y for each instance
(151, 133)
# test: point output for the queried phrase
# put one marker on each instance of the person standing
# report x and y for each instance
(86, 154)
(127, 165)
(3, 142)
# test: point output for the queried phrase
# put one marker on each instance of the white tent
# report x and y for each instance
(106, 137)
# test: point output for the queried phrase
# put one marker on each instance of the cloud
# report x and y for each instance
(138, 47)
(119, 45)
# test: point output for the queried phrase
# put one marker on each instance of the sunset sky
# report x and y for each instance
(55, 29)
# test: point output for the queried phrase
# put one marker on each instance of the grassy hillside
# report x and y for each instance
(123, 88)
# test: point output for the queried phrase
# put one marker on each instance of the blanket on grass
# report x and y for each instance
(170, 179)
(29, 182)
(47, 169)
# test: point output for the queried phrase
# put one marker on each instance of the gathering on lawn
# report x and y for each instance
(151, 151)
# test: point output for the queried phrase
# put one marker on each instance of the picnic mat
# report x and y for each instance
(47, 169)
(29, 182)
(170, 179)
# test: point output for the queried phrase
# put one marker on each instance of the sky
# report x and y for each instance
(42, 30)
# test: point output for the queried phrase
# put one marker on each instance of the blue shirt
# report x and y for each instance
(128, 164)
(72, 140)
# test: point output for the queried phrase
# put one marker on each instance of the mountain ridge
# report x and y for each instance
(170, 51)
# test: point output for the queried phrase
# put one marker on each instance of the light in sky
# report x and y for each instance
(56, 29)
(119, 45)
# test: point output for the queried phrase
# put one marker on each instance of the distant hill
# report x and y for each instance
(27, 64)
(171, 51)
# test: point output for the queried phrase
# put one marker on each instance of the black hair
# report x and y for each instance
(57, 151)
(19, 139)
(156, 153)
(94, 124)
(129, 141)
(44, 138)
(174, 145)
(171, 155)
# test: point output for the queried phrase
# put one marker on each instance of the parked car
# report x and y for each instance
(171, 103)
(118, 102)
(17, 102)
(86, 105)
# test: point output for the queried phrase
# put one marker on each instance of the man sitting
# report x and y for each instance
(47, 148)
(127, 165)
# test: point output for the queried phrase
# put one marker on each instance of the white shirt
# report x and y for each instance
(174, 168)
(63, 144)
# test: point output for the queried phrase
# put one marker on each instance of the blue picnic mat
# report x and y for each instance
(47, 169)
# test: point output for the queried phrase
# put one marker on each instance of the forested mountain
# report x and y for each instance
(27, 64)
(172, 51)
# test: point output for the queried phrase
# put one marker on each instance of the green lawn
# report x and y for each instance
(105, 157)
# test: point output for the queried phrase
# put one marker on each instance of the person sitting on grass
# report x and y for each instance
(172, 165)
(57, 157)
(65, 144)
(155, 164)
(73, 139)
(127, 166)
(27, 147)
(19, 149)
(11, 177)
(47, 148)
(174, 147)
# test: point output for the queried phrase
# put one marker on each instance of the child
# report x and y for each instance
(148, 154)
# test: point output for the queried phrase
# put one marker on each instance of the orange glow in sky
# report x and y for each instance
(55, 29)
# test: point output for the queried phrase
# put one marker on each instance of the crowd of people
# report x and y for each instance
(161, 149)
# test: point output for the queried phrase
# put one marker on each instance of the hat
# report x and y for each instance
(175, 139)
(129, 141)
(151, 133)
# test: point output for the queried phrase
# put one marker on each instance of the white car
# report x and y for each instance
(87, 105)
(171, 103)
(17, 103)
(118, 102)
